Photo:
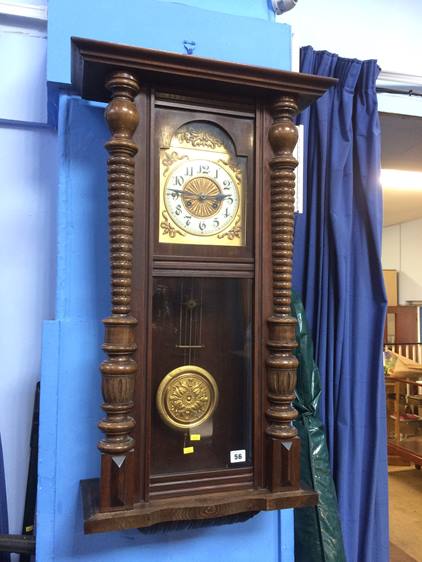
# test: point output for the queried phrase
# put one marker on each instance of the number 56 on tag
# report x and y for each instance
(238, 456)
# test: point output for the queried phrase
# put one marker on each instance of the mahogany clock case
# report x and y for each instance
(199, 370)
(228, 279)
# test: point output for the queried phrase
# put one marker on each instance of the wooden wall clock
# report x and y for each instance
(200, 373)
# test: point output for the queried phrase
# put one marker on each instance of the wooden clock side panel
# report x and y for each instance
(266, 275)
(141, 283)
(261, 296)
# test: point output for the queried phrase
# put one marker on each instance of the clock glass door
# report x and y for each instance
(201, 374)
(202, 299)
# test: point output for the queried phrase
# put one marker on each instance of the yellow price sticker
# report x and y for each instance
(188, 450)
(195, 437)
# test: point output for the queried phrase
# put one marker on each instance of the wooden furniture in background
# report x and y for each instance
(404, 418)
(402, 324)
(410, 350)
(255, 108)
(391, 286)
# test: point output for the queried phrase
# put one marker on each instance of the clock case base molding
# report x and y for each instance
(126, 496)
(188, 509)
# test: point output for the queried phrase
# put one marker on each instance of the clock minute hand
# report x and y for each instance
(181, 191)
(200, 197)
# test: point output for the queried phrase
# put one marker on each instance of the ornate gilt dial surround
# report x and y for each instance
(202, 188)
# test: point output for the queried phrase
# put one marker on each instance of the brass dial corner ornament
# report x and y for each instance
(187, 397)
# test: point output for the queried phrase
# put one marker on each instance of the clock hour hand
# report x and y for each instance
(222, 196)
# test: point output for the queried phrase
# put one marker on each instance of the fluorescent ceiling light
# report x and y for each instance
(403, 180)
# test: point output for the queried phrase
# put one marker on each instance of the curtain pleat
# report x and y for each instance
(338, 272)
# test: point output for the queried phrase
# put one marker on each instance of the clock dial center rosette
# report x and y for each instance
(201, 197)
(187, 397)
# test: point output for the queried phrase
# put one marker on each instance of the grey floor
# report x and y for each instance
(405, 498)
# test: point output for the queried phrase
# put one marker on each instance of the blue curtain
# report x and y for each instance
(337, 271)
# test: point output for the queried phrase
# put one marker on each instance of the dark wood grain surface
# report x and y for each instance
(92, 61)
(208, 506)
(120, 368)
(283, 444)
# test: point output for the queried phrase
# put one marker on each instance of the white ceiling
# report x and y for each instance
(401, 149)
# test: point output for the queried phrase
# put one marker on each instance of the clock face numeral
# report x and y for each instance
(201, 198)
(178, 181)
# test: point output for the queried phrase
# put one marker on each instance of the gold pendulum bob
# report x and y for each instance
(187, 397)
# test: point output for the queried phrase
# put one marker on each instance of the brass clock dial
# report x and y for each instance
(201, 189)
(201, 198)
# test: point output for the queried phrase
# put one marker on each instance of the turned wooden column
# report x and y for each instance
(282, 440)
(119, 369)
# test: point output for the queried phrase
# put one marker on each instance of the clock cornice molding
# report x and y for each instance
(93, 61)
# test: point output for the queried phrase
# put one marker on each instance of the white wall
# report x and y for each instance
(385, 30)
(379, 29)
(411, 261)
(28, 182)
(401, 250)
(391, 247)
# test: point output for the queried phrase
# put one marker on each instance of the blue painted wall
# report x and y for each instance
(163, 25)
(70, 393)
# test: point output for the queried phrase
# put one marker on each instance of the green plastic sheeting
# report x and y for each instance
(318, 536)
